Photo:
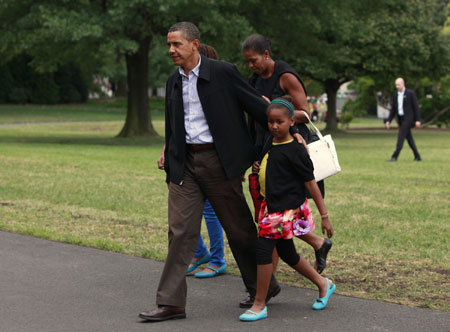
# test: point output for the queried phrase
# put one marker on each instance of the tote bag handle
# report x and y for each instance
(315, 128)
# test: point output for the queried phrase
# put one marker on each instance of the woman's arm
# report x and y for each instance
(291, 86)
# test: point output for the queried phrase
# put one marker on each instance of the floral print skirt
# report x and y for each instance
(287, 224)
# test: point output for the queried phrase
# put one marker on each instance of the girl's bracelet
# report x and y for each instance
(324, 216)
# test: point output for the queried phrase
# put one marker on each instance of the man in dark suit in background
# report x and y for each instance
(208, 149)
(406, 107)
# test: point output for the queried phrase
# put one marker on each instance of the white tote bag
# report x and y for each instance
(323, 155)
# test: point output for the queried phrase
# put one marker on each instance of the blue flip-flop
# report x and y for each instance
(322, 302)
(251, 316)
(205, 259)
(214, 272)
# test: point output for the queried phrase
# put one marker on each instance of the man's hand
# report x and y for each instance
(161, 161)
(161, 158)
(418, 124)
(388, 125)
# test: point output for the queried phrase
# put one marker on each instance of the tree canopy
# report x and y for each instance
(329, 41)
(336, 41)
(92, 32)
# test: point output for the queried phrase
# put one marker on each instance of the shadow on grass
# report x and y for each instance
(359, 134)
(150, 141)
(84, 140)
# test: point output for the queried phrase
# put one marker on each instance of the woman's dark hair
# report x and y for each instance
(189, 29)
(285, 98)
(208, 51)
(257, 43)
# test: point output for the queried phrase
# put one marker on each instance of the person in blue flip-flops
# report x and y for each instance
(285, 173)
(215, 256)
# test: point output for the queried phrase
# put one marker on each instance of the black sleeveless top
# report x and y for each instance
(271, 88)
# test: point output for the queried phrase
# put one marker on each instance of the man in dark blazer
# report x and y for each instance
(208, 149)
(406, 108)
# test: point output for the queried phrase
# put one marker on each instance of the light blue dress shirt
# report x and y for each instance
(197, 129)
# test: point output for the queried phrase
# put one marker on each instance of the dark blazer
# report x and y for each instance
(224, 96)
(410, 107)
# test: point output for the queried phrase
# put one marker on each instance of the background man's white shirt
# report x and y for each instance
(400, 96)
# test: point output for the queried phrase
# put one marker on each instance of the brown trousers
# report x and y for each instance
(204, 177)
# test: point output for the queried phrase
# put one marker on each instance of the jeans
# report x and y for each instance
(215, 233)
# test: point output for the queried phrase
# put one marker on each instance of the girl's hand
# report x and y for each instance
(255, 167)
(326, 226)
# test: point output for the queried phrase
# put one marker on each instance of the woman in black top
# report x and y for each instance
(274, 79)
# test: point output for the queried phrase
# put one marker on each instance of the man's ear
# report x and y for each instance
(266, 54)
(196, 43)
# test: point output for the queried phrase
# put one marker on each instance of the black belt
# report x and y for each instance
(200, 147)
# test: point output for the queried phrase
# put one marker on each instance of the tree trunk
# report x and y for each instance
(121, 89)
(331, 88)
(138, 122)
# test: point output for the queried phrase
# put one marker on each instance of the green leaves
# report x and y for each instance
(329, 41)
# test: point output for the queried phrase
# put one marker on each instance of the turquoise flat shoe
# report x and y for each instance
(251, 316)
(205, 259)
(213, 273)
(321, 302)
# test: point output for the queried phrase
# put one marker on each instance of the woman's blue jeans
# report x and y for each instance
(215, 233)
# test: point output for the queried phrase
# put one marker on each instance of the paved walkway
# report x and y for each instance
(54, 287)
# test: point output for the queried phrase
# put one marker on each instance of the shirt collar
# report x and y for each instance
(401, 92)
(195, 71)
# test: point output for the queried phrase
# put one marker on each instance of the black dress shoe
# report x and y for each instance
(418, 159)
(393, 159)
(321, 255)
(248, 301)
(163, 313)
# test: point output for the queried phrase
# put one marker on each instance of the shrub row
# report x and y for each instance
(21, 83)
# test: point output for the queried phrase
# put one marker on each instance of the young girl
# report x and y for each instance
(286, 171)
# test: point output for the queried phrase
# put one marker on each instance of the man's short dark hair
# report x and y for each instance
(257, 43)
(189, 29)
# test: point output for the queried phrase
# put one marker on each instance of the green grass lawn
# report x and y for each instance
(75, 182)
(94, 110)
